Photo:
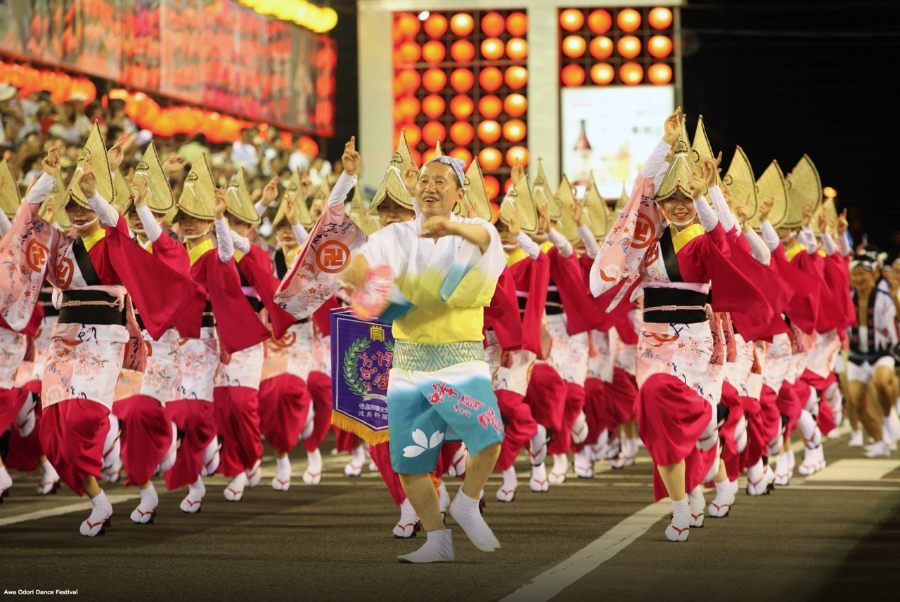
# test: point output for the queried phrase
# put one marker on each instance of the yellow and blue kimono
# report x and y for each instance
(440, 385)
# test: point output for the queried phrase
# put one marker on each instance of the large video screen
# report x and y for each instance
(611, 130)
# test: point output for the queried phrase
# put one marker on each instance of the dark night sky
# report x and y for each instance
(780, 78)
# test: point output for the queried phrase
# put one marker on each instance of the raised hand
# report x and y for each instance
(269, 192)
(141, 187)
(116, 153)
(842, 223)
(50, 163)
(290, 208)
(697, 184)
(173, 165)
(88, 184)
(350, 158)
(765, 208)
(806, 214)
(671, 127)
(219, 203)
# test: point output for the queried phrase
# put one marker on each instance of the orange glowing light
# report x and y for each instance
(434, 79)
(434, 52)
(490, 106)
(436, 25)
(492, 49)
(602, 48)
(660, 18)
(433, 106)
(462, 106)
(629, 20)
(516, 77)
(517, 49)
(599, 21)
(572, 76)
(629, 46)
(433, 131)
(631, 73)
(462, 80)
(660, 46)
(490, 159)
(462, 154)
(490, 79)
(489, 131)
(602, 74)
(517, 24)
(514, 130)
(573, 46)
(517, 154)
(462, 24)
(462, 133)
(571, 19)
(515, 105)
(462, 51)
(659, 74)
(492, 24)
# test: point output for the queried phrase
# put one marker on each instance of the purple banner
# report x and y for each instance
(361, 357)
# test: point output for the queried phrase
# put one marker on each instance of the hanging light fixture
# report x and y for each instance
(319, 19)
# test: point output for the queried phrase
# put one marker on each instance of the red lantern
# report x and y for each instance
(515, 105)
(492, 24)
(490, 79)
(514, 130)
(659, 74)
(433, 132)
(434, 79)
(660, 18)
(462, 80)
(489, 131)
(409, 52)
(629, 46)
(492, 49)
(490, 106)
(490, 159)
(599, 21)
(571, 19)
(462, 51)
(308, 146)
(602, 74)
(491, 185)
(325, 85)
(433, 106)
(462, 24)
(462, 133)
(573, 46)
(629, 20)
(601, 48)
(436, 25)
(631, 73)
(517, 49)
(413, 134)
(408, 81)
(572, 76)
(517, 154)
(461, 106)
(516, 77)
(407, 26)
(517, 24)
(462, 154)
(660, 46)
(433, 52)
(409, 107)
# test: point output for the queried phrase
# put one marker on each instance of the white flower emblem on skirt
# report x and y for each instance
(423, 443)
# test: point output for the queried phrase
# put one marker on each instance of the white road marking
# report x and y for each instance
(550, 583)
(59, 510)
(868, 469)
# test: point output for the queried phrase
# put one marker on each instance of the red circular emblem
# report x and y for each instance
(332, 256)
(35, 255)
(644, 233)
(64, 273)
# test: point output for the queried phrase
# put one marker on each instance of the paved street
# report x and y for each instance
(835, 536)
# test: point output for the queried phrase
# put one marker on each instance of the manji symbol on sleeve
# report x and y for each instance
(332, 256)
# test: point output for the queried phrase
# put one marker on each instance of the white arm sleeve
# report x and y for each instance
(300, 233)
(260, 208)
(843, 244)
(808, 239)
(106, 212)
(39, 191)
(758, 247)
(224, 241)
(722, 209)
(769, 235)
(341, 189)
(5, 224)
(655, 160)
(241, 243)
(828, 243)
(151, 226)
(706, 215)
(559, 241)
(590, 243)
(528, 245)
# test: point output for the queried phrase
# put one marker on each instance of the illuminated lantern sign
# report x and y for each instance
(461, 78)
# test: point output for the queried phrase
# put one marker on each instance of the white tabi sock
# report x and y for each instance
(282, 479)
(537, 447)
(211, 458)
(560, 469)
(101, 510)
(49, 480)
(5, 480)
(313, 473)
(507, 491)
(145, 510)
(443, 497)
(438, 547)
(538, 482)
(721, 504)
(697, 504)
(194, 498)
(466, 513)
(679, 528)
(406, 526)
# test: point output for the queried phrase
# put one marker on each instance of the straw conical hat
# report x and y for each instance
(199, 192)
(804, 188)
(477, 193)
(239, 203)
(303, 215)
(9, 191)
(771, 185)
(741, 182)
(568, 205)
(93, 157)
(161, 199)
(597, 211)
(521, 194)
